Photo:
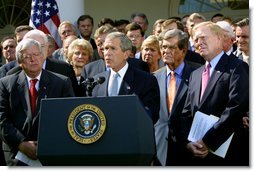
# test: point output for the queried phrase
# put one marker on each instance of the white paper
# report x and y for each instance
(200, 125)
(25, 159)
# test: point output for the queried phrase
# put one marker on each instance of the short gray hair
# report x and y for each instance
(182, 37)
(226, 26)
(125, 42)
(23, 45)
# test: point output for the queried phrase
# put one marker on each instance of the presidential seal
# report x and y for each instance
(86, 124)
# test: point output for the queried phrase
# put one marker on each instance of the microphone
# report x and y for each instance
(90, 83)
(99, 80)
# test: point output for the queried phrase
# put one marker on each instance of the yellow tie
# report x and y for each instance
(171, 90)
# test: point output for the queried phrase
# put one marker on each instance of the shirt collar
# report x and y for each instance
(122, 71)
(215, 60)
(178, 70)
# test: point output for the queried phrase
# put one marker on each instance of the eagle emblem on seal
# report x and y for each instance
(87, 125)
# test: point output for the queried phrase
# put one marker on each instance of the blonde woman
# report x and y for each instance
(80, 53)
(151, 54)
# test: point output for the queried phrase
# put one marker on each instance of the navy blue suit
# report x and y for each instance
(227, 97)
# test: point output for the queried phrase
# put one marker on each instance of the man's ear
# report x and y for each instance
(127, 54)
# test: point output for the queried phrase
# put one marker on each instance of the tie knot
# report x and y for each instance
(33, 81)
(116, 75)
(208, 66)
(172, 74)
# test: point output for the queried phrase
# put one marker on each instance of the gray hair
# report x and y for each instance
(125, 42)
(23, 45)
(36, 32)
(226, 26)
(182, 37)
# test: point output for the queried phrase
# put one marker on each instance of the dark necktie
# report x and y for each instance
(33, 95)
(205, 79)
(171, 90)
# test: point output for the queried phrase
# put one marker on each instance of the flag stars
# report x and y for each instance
(38, 12)
(40, 4)
(37, 21)
(55, 7)
(48, 5)
(46, 13)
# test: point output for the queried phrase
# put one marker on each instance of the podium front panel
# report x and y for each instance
(128, 138)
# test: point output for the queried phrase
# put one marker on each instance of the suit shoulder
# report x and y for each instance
(55, 75)
(159, 71)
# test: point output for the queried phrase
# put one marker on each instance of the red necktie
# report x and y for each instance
(205, 79)
(171, 90)
(33, 95)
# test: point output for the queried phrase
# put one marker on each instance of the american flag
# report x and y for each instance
(45, 17)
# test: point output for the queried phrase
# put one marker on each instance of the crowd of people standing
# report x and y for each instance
(187, 65)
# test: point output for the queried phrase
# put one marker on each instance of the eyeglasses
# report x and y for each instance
(28, 57)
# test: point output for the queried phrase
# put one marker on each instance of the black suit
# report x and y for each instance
(16, 122)
(98, 66)
(194, 59)
(138, 82)
(56, 66)
(227, 97)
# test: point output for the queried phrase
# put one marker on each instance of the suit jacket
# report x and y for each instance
(194, 58)
(98, 66)
(56, 66)
(6, 67)
(138, 82)
(16, 122)
(170, 121)
(227, 97)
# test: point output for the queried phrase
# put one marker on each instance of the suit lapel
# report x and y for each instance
(183, 87)
(43, 87)
(127, 83)
(162, 79)
(24, 93)
(218, 71)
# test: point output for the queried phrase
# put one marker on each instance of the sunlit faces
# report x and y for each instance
(32, 61)
(85, 27)
(243, 38)
(136, 38)
(150, 54)
(99, 43)
(114, 57)
(8, 50)
(140, 21)
(80, 57)
(207, 43)
(66, 30)
(171, 54)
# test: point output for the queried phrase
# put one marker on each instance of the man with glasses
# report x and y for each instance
(20, 96)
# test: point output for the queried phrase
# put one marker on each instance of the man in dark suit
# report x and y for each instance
(19, 114)
(50, 64)
(129, 80)
(173, 48)
(98, 66)
(225, 96)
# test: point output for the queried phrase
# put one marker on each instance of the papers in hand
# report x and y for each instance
(200, 125)
(25, 159)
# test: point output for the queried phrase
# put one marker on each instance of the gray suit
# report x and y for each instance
(166, 128)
